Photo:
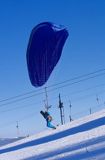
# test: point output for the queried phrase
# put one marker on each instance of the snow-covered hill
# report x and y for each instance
(4, 141)
(82, 139)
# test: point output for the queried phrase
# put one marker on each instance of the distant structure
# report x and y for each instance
(97, 99)
(17, 126)
(47, 107)
(61, 107)
(70, 106)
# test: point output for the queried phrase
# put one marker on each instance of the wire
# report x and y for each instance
(33, 114)
(76, 82)
(72, 93)
(66, 85)
(78, 77)
(75, 78)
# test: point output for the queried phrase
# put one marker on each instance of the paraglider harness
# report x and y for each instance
(46, 115)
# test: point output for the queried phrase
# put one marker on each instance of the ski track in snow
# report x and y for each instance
(82, 139)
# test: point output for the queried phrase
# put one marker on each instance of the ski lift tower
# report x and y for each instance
(61, 107)
(70, 111)
(47, 107)
(17, 126)
(97, 99)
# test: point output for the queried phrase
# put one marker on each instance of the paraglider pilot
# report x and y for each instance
(48, 118)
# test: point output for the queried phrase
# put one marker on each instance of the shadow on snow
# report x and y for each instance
(68, 149)
(70, 131)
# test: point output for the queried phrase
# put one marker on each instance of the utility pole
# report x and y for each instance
(90, 111)
(97, 99)
(61, 110)
(70, 111)
(63, 115)
(17, 126)
(46, 100)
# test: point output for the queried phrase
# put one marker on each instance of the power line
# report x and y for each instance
(20, 95)
(20, 120)
(78, 77)
(33, 114)
(66, 85)
(21, 99)
(21, 107)
(66, 81)
(72, 93)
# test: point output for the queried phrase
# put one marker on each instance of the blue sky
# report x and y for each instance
(83, 53)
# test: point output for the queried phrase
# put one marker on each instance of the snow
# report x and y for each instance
(82, 139)
(4, 141)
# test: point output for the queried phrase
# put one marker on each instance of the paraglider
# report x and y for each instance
(44, 51)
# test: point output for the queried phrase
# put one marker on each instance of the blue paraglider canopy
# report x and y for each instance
(44, 50)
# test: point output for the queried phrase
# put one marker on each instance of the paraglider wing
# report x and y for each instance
(44, 50)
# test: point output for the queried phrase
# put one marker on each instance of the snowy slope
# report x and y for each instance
(82, 139)
(4, 141)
